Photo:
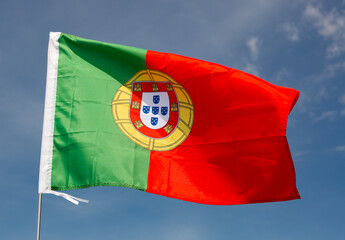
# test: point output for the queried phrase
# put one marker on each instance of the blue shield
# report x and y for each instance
(146, 109)
(155, 99)
(164, 111)
(154, 121)
(155, 110)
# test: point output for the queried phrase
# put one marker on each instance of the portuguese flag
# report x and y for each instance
(164, 124)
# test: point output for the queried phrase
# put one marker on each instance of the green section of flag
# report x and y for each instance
(89, 149)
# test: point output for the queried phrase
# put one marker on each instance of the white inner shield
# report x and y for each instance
(150, 103)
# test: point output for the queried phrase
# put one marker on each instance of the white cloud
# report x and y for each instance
(339, 148)
(322, 93)
(219, 30)
(282, 75)
(291, 31)
(297, 154)
(252, 69)
(189, 232)
(253, 45)
(329, 115)
(329, 71)
(330, 25)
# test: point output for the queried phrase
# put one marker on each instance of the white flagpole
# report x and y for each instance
(39, 215)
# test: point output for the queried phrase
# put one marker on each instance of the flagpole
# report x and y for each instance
(39, 215)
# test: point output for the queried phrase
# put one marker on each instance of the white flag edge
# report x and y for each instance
(49, 114)
(44, 185)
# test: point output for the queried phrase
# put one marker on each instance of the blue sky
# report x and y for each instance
(295, 43)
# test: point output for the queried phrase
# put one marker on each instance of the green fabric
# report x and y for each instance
(89, 149)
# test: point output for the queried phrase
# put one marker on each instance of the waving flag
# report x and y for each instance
(162, 123)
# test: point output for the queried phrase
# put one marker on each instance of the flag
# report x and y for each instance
(164, 124)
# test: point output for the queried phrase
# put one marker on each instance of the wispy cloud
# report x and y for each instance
(298, 154)
(253, 45)
(339, 148)
(185, 232)
(322, 93)
(328, 115)
(291, 31)
(330, 25)
(330, 70)
(252, 69)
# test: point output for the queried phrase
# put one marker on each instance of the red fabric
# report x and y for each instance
(237, 151)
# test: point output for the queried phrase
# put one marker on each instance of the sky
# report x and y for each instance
(294, 43)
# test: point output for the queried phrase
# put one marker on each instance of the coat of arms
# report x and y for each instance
(153, 110)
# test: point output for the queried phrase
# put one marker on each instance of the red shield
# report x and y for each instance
(154, 109)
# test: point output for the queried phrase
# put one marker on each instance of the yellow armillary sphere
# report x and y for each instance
(153, 110)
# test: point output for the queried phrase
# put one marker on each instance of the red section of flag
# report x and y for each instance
(237, 151)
